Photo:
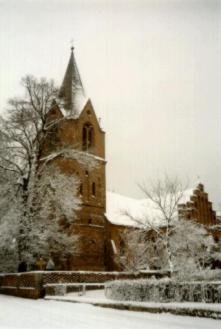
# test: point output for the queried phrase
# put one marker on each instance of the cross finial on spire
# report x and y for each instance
(72, 45)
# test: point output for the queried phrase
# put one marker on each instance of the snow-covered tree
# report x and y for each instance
(51, 216)
(142, 251)
(45, 200)
(192, 248)
(164, 240)
(21, 131)
(9, 229)
(10, 203)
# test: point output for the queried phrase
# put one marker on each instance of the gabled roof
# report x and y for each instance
(89, 107)
(72, 91)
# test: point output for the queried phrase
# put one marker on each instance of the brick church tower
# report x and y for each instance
(77, 127)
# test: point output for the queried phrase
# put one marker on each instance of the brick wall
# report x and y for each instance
(89, 222)
(198, 208)
(27, 285)
(31, 284)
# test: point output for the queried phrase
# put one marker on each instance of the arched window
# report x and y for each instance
(93, 189)
(87, 136)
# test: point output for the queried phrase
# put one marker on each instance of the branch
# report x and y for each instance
(8, 169)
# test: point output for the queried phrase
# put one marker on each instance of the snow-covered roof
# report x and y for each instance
(122, 210)
(218, 213)
(186, 196)
(119, 206)
(80, 102)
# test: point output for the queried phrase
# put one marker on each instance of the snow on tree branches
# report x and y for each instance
(163, 239)
(39, 203)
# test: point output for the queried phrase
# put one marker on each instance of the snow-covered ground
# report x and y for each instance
(18, 313)
(97, 296)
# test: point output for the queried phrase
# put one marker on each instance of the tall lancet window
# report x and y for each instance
(87, 136)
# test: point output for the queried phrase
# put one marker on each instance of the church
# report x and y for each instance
(99, 223)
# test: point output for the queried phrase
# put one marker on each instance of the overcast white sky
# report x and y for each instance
(151, 68)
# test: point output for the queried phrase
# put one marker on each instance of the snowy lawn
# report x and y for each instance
(18, 313)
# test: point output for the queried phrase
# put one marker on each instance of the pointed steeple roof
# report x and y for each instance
(72, 91)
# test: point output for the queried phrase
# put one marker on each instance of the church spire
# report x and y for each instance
(72, 91)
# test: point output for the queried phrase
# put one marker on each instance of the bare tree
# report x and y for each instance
(25, 127)
(165, 195)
